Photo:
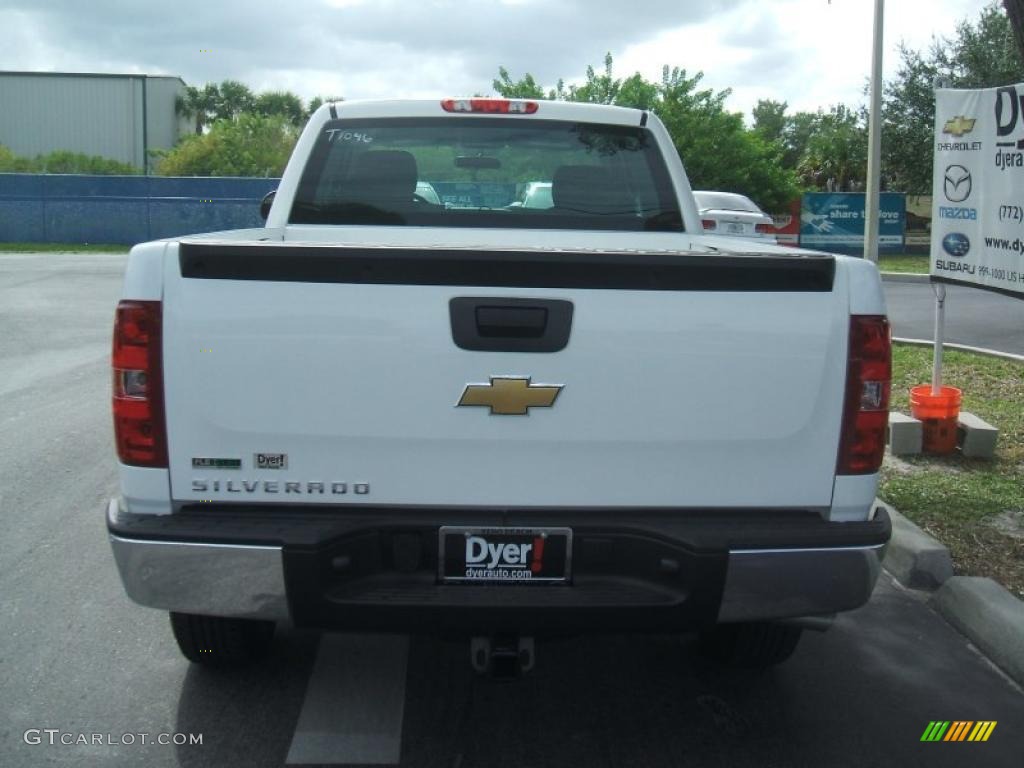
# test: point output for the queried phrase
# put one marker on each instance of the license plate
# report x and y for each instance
(734, 229)
(518, 555)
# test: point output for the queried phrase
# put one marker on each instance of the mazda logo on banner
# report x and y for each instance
(957, 183)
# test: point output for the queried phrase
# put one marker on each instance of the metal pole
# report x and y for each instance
(940, 329)
(871, 204)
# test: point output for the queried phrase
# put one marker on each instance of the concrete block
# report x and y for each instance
(991, 617)
(916, 559)
(905, 434)
(977, 437)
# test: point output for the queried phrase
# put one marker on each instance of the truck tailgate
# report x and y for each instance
(686, 380)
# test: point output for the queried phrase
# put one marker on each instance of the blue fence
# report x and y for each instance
(43, 208)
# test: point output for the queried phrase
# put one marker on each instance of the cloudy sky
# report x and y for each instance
(807, 52)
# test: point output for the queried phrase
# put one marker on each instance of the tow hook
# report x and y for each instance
(503, 657)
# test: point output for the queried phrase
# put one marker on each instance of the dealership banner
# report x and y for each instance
(834, 221)
(978, 188)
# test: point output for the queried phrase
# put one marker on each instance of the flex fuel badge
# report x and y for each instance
(207, 463)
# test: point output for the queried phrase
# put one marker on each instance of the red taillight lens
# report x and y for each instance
(764, 229)
(866, 408)
(709, 223)
(490, 106)
(138, 402)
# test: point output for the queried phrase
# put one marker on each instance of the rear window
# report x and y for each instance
(486, 172)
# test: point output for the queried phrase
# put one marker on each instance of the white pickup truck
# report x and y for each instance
(388, 412)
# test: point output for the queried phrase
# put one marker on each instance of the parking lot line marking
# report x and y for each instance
(355, 702)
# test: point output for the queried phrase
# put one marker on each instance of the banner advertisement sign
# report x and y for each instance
(786, 226)
(978, 189)
(835, 221)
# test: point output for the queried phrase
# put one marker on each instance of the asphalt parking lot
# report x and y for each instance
(78, 657)
(974, 317)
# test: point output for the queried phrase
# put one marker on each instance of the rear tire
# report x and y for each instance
(755, 645)
(218, 641)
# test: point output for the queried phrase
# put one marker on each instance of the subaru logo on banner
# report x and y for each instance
(956, 244)
(978, 209)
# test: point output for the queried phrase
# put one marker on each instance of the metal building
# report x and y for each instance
(120, 117)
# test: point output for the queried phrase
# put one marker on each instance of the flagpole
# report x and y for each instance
(871, 204)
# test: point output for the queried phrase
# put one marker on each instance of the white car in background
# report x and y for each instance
(726, 213)
(536, 194)
(425, 191)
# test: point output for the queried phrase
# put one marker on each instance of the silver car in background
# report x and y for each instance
(726, 213)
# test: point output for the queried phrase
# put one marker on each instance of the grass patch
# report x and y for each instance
(904, 262)
(63, 248)
(973, 506)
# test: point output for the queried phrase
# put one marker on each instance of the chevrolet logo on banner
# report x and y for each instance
(510, 395)
(959, 125)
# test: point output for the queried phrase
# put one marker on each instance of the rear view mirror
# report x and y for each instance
(266, 202)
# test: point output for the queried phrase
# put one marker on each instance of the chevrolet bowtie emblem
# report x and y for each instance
(959, 125)
(510, 395)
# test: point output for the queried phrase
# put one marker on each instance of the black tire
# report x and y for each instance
(218, 641)
(750, 646)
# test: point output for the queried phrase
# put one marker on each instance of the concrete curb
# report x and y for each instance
(906, 277)
(916, 559)
(961, 348)
(979, 608)
(991, 617)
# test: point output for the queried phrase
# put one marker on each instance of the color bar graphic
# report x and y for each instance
(958, 730)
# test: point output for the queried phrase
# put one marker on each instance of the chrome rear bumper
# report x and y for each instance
(248, 581)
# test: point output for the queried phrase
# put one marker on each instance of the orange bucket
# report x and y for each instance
(938, 414)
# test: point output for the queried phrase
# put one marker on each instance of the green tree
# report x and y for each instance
(980, 55)
(598, 89)
(250, 145)
(836, 155)
(524, 88)
(718, 150)
(12, 163)
(62, 161)
(232, 100)
(198, 104)
(770, 119)
(284, 103)
(984, 54)
(796, 136)
(225, 101)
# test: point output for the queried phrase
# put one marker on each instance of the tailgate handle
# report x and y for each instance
(500, 324)
(511, 322)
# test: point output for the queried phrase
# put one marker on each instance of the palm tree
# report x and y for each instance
(197, 105)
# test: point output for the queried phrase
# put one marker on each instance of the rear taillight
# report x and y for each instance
(866, 407)
(139, 431)
(490, 106)
(709, 223)
(764, 229)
